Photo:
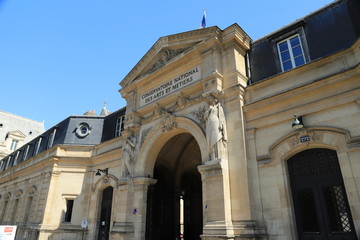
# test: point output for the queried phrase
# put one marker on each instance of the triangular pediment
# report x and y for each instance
(168, 49)
(16, 133)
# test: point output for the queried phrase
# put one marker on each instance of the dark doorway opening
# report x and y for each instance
(105, 213)
(175, 201)
(321, 206)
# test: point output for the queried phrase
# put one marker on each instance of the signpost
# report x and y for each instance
(7, 232)
(84, 224)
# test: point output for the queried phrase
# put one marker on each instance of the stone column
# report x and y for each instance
(216, 200)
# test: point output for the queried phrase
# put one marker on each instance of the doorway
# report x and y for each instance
(174, 207)
(321, 207)
(105, 213)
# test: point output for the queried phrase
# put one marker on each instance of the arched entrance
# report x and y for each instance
(105, 213)
(320, 202)
(175, 201)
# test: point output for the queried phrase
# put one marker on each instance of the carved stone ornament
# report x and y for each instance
(128, 155)
(199, 115)
(165, 56)
(32, 190)
(168, 121)
(144, 133)
(18, 193)
(7, 195)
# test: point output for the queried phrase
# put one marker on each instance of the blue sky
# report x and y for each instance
(62, 58)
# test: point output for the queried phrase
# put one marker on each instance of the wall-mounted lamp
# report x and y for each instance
(103, 171)
(297, 123)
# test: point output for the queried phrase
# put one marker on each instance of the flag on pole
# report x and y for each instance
(203, 22)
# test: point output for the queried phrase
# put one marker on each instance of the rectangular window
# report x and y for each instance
(291, 53)
(37, 147)
(28, 209)
(51, 139)
(119, 125)
(14, 144)
(69, 209)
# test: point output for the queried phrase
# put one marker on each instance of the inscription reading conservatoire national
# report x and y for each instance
(167, 88)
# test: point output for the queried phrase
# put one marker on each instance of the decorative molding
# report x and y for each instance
(123, 228)
(353, 143)
(357, 101)
(18, 193)
(32, 190)
(263, 160)
(168, 121)
(199, 115)
(7, 195)
(194, 100)
(144, 133)
(305, 137)
(210, 169)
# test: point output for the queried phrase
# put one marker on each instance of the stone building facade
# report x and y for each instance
(222, 137)
(15, 131)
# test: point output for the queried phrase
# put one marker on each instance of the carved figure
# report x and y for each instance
(215, 129)
(129, 156)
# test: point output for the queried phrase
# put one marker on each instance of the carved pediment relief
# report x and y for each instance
(163, 57)
(167, 49)
(16, 134)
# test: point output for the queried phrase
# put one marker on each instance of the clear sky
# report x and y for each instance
(62, 58)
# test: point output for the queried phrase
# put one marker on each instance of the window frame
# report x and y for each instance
(69, 210)
(291, 52)
(16, 157)
(288, 32)
(119, 127)
(37, 146)
(8, 163)
(51, 139)
(25, 156)
(14, 144)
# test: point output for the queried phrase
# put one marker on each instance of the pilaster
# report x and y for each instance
(123, 226)
(216, 200)
(139, 205)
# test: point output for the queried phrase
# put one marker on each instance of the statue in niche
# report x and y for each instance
(216, 135)
(128, 156)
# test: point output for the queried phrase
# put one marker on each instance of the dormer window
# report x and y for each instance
(37, 147)
(51, 139)
(14, 144)
(291, 53)
(119, 125)
(26, 152)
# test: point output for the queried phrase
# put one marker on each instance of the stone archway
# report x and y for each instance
(318, 192)
(175, 201)
(303, 140)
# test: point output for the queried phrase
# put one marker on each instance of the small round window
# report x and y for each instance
(83, 129)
